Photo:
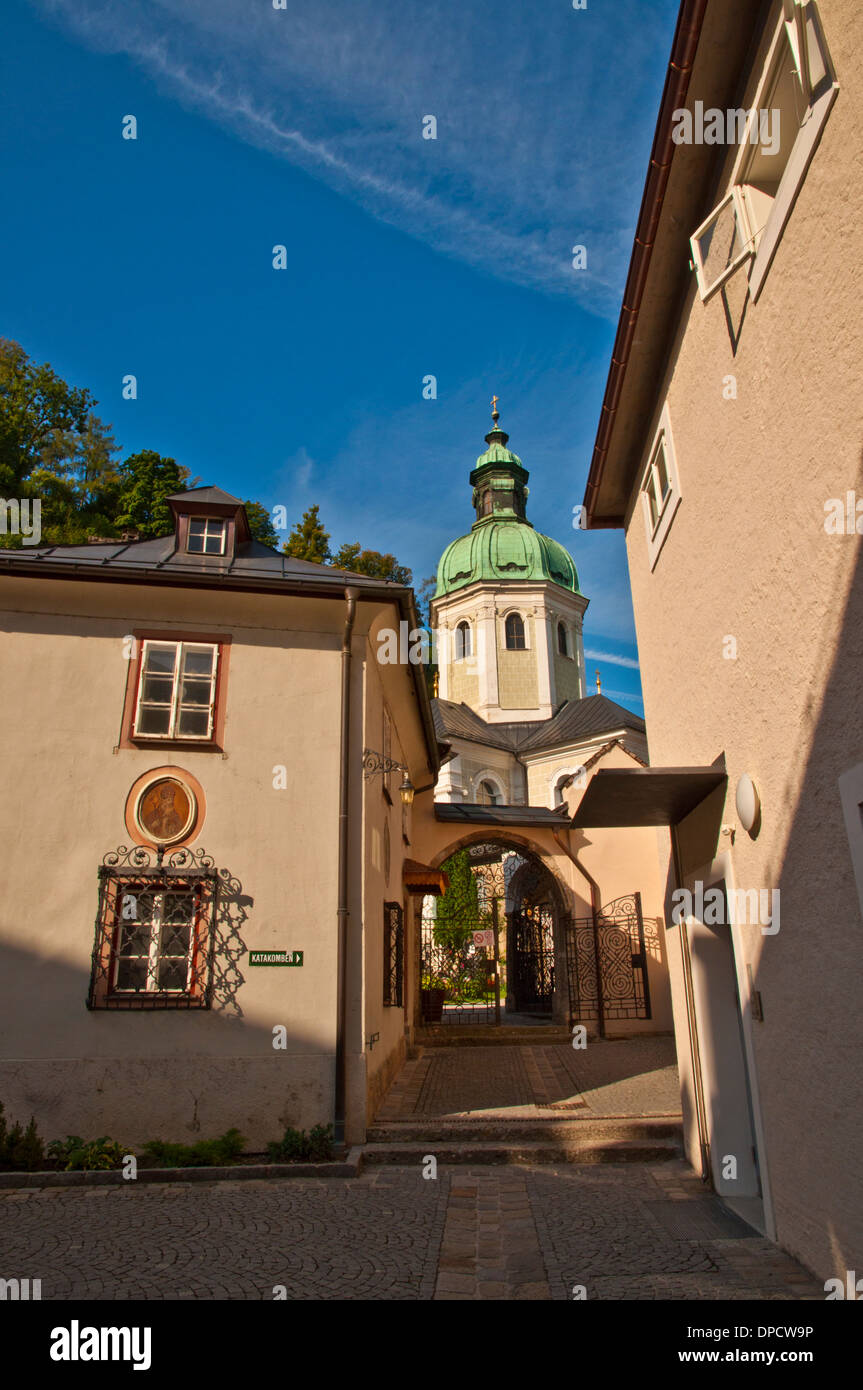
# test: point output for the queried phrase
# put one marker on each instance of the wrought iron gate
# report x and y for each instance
(459, 982)
(533, 972)
(607, 963)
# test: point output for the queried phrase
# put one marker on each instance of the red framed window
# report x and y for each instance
(176, 690)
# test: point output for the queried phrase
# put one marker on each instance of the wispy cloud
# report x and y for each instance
(543, 116)
(630, 696)
(611, 658)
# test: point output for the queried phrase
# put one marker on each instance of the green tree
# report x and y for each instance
(371, 562)
(36, 406)
(260, 524)
(458, 911)
(309, 540)
(146, 480)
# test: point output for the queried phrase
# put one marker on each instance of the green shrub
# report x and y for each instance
(298, 1147)
(207, 1153)
(78, 1154)
(20, 1149)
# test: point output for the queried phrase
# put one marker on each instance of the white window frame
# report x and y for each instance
(154, 952)
(180, 648)
(760, 243)
(208, 521)
(668, 503)
(735, 196)
(851, 796)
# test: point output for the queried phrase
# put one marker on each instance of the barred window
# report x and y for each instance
(393, 954)
(152, 938)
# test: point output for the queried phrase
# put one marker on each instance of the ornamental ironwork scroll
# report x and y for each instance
(167, 931)
(614, 944)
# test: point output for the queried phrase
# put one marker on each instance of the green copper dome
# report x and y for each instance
(502, 543)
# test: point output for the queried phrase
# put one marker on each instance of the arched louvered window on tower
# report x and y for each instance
(462, 641)
(561, 640)
(515, 633)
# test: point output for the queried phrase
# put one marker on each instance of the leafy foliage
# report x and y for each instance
(207, 1153)
(20, 1149)
(298, 1147)
(147, 480)
(458, 911)
(261, 525)
(91, 1155)
(371, 562)
(309, 540)
(55, 448)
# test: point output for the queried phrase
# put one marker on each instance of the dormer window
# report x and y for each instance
(206, 535)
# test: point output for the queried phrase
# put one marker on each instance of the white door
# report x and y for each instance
(727, 1094)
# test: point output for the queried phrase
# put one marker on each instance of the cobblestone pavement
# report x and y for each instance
(636, 1076)
(621, 1231)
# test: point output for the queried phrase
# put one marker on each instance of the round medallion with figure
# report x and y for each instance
(165, 810)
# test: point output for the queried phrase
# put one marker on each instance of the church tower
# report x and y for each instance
(507, 608)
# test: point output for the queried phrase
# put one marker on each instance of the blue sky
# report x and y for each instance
(406, 256)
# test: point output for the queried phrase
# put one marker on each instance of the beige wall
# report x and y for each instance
(747, 557)
(463, 683)
(567, 685)
(517, 671)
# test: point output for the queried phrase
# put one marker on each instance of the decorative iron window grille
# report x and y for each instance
(393, 954)
(155, 930)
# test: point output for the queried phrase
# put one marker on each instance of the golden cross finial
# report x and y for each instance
(494, 410)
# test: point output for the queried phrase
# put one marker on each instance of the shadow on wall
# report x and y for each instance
(136, 1075)
(810, 975)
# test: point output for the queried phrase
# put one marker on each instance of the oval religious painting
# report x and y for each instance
(166, 810)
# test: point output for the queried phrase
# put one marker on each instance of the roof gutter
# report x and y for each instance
(683, 49)
(12, 562)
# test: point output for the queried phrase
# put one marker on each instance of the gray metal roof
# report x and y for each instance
(574, 722)
(206, 494)
(159, 557)
(469, 814)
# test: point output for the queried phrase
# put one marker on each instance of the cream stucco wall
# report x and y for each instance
(747, 558)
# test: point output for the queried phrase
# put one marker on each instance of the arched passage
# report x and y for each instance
(493, 949)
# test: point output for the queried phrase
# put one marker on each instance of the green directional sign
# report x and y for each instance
(275, 958)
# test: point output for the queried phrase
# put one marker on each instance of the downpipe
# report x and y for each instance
(340, 1106)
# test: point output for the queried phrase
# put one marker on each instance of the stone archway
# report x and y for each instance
(523, 910)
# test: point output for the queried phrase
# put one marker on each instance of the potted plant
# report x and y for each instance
(432, 994)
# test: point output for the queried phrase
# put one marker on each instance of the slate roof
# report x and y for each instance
(574, 722)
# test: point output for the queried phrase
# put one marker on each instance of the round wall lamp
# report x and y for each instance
(748, 804)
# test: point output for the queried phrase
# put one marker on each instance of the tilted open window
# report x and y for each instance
(778, 137)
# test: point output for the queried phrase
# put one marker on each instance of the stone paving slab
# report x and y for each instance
(635, 1076)
(477, 1233)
